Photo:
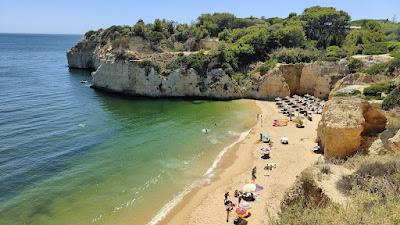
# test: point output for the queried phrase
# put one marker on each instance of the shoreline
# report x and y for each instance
(209, 175)
(204, 204)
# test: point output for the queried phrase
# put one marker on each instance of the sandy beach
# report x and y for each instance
(205, 205)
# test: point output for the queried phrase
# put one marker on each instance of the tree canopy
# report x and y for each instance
(326, 25)
(319, 33)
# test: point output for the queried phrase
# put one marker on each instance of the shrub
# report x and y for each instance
(365, 208)
(294, 55)
(291, 36)
(360, 37)
(335, 51)
(355, 65)
(395, 54)
(375, 89)
(254, 46)
(148, 64)
(393, 45)
(121, 42)
(178, 47)
(377, 68)
(385, 67)
(197, 61)
(89, 33)
(139, 29)
(392, 100)
(223, 58)
(393, 65)
(375, 48)
(346, 94)
(215, 23)
(374, 177)
(268, 65)
(325, 169)
(122, 55)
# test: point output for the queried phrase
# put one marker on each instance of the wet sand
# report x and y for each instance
(204, 205)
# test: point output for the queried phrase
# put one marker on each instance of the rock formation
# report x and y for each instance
(131, 77)
(83, 55)
(356, 81)
(345, 123)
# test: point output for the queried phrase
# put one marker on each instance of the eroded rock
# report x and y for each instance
(344, 123)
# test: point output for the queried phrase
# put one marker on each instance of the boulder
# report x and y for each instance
(345, 122)
(394, 142)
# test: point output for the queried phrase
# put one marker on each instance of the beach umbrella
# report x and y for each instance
(245, 205)
(252, 188)
(266, 148)
(241, 212)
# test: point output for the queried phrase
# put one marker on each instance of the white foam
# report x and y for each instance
(206, 177)
(210, 171)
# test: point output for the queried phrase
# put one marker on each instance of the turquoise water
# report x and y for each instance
(72, 155)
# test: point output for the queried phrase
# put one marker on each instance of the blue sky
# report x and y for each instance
(78, 16)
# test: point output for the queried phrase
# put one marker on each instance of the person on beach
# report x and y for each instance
(253, 174)
(238, 195)
(228, 205)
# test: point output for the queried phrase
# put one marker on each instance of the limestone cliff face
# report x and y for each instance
(344, 124)
(133, 79)
(83, 55)
(315, 78)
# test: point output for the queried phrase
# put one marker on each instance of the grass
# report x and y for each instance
(373, 190)
(364, 209)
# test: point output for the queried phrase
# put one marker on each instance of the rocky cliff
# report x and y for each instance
(84, 55)
(132, 78)
(346, 123)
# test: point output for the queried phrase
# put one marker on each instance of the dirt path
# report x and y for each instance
(205, 205)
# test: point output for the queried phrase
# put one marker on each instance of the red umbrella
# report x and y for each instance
(241, 212)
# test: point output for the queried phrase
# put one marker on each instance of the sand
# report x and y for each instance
(204, 206)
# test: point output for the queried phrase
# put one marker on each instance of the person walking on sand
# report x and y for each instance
(261, 120)
(238, 195)
(253, 174)
(228, 206)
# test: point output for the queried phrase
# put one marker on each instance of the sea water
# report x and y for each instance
(73, 155)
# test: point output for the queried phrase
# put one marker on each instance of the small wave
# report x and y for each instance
(210, 171)
(136, 196)
(174, 163)
(171, 204)
(214, 141)
(234, 133)
(206, 177)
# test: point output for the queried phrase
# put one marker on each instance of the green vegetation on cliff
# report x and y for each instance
(235, 44)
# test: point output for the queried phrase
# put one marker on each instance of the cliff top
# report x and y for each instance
(237, 44)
